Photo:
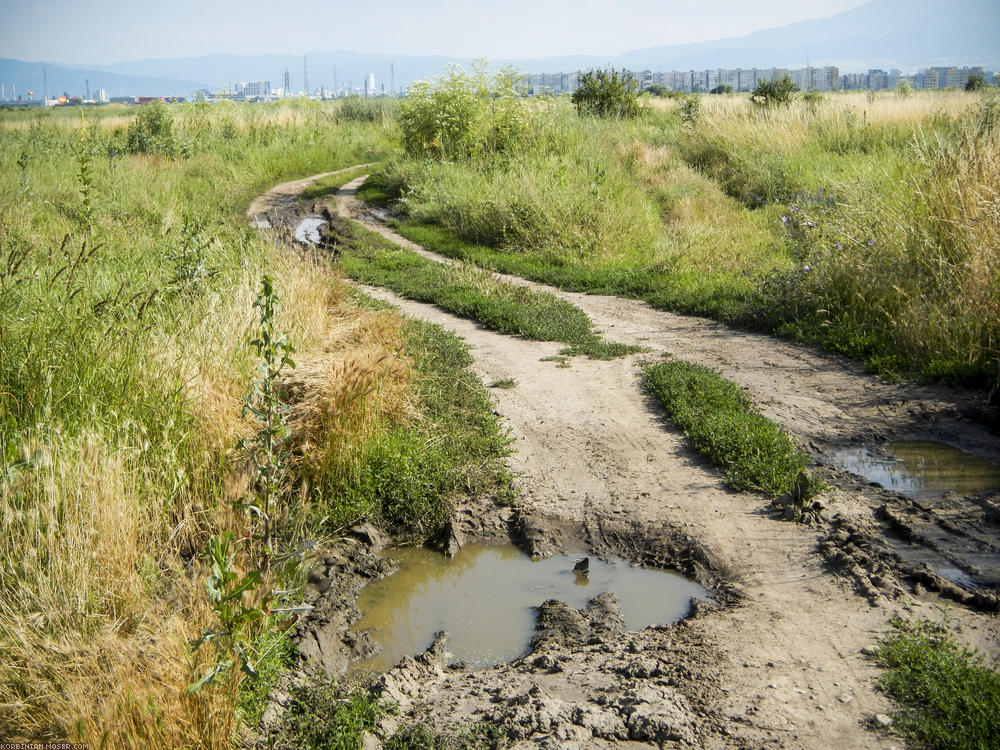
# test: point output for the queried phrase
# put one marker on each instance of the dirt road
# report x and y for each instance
(777, 661)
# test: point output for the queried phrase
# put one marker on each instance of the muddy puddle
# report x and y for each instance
(307, 230)
(485, 598)
(920, 468)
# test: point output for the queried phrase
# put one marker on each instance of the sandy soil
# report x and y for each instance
(776, 660)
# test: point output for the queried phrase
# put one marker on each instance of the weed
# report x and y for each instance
(190, 262)
(152, 131)
(799, 504)
(323, 717)
(277, 654)
(240, 622)
(85, 180)
(949, 697)
(407, 474)
(720, 420)
(504, 383)
(119, 405)
(461, 114)
(268, 449)
(690, 109)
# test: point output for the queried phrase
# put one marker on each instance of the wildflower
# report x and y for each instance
(870, 242)
(784, 219)
(810, 223)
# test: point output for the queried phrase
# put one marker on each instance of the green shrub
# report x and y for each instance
(463, 114)
(607, 93)
(152, 131)
(690, 108)
(779, 91)
(976, 82)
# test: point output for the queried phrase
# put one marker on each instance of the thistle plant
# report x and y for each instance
(242, 601)
(268, 448)
(85, 181)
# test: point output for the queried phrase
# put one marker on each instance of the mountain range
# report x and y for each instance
(885, 34)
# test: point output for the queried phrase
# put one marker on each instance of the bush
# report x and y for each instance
(462, 114)
(976, 82)
(690, 108)
(151, 131)
(607, 93)
(722, 88)
(773, 93)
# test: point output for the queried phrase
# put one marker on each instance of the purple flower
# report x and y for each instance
(810, 223)
(837, 246)
(784, 219)
(870, 242)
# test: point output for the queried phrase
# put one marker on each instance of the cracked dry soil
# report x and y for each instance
(776, 659)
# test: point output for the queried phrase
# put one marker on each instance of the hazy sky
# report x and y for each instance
(106, 31)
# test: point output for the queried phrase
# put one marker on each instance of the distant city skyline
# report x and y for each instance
(109, 31)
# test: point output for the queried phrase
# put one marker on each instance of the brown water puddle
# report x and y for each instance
(484, 597)
(920, 468)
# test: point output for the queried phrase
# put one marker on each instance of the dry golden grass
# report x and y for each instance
(101, 601)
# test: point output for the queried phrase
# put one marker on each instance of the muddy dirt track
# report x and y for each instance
(776, 660)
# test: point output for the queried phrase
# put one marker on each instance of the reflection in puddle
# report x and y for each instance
(957, 576)
(484, 598)
(920, 468)
(307, 230)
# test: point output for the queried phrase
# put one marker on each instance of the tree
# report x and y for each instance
(607, 93)
(976, 82)
(722, 88)
(772, 93)
(656, 90)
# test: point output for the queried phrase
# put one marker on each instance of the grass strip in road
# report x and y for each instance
(950, 698)
(473, 293)
(722, 423)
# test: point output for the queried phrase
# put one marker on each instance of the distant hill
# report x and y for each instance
(73, 80)
(881, 34)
